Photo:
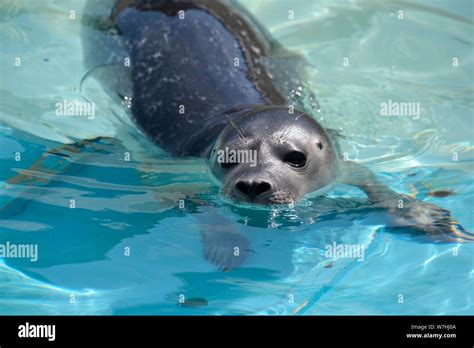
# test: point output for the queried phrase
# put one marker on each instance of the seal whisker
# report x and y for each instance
(290, 126)
(239, 131)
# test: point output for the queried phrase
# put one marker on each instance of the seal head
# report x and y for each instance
(269, 156)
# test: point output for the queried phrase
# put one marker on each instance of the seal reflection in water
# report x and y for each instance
(201, 83)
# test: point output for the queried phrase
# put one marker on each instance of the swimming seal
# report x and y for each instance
(197, 76)
(198, 81)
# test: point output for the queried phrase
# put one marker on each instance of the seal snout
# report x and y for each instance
(253, 188)
(267, 157)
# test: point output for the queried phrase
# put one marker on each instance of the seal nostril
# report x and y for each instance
(243, 187)
(261, 187)
(253, 189)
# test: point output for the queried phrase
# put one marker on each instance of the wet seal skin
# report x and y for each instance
(197, 86)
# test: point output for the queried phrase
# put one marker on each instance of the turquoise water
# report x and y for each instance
(127, 248)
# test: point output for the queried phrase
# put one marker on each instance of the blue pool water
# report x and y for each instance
(127, 248)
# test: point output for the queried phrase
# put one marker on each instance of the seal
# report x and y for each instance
(295, 156)
(199, 86)
(199, 82)
(197, 75)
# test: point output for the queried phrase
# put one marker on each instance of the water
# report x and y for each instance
(127, 248)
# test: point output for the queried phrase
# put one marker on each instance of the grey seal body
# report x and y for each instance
(198, 82)
(202, 83)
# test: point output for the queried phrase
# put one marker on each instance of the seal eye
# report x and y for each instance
(295, 159)
(319, 144)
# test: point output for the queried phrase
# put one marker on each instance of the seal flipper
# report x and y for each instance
(223, 245)
(436, 223)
